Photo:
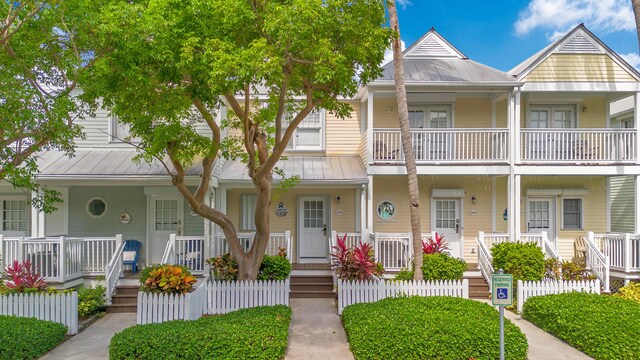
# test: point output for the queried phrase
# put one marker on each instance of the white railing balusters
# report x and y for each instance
(114, 270)
(485, 260)
(276, 241)
(597, 262)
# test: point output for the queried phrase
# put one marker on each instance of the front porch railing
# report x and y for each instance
(276, 242)
(188, 251)
(394, 250)
(113, 271)
(623, 250)
(597, 261)
(443, 145)
(578, 145)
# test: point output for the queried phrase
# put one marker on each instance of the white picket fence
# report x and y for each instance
(227, 296)
(527, 289)
(60, 308)
(158, 308)
(353, 292)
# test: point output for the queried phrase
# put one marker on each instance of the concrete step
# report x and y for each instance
(312, 294)
(122, 308)
(127, 289)
(121, 299)
(312, 287)
(311, 279)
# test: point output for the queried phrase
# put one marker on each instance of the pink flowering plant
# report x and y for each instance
(354, 263)
(21, 277)
(435, 246)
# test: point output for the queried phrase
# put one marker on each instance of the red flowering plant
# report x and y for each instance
(435, 246)
(354, 263)
(22, 277)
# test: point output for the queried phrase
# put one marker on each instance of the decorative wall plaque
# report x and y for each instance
(281, 210)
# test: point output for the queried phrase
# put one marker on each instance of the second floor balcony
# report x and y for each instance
(597, 146)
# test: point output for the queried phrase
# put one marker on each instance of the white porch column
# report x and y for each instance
(510, 125)
(516, 126)
(363, 212)
(513, 211)
(37, 220)
(369, 129)
(636, 123)
(636, 202)
(370, 205)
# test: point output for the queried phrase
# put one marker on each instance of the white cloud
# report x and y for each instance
(633, 59)
(560, 16)
(388, 54)
(404, 3)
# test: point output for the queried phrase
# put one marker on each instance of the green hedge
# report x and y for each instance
(603, 327)
(525, 261)
(429, 328)
(28, 338)
(256, 333)
(439, 266)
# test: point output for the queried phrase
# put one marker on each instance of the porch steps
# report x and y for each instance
(125, 300)
(478, 287)
(312, 286)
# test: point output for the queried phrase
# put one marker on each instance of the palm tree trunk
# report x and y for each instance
(636, 12)
(405, 135)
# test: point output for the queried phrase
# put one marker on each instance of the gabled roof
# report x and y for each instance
(432, 59)
(577, 41)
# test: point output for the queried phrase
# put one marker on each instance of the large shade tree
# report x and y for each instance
(41, 57)
(172, 65)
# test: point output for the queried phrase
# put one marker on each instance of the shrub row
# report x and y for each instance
(525, 261)
(256, 333)
(603, 327)
(438, 266)
(28, 338)
(429, 328)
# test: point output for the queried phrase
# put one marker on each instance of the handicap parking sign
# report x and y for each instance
(502, 290)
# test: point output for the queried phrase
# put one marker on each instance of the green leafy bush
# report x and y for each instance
(630, 291)
(437, 266)
(603, 327)
(274, 268)
(525, 261)
(565, 270)
(255, 333)
(429, 328)
(28, 338)
(168, 279)
(91, 300)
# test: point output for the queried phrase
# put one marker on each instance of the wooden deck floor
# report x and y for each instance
(310, 266)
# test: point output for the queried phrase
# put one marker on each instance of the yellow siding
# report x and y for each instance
(472, 112)
(343, 223)
(594, 206)
(394, 189)
(579, 67)
(501, 114)
(385, 112)
(343, 135)
(502, 202)
(592, 112)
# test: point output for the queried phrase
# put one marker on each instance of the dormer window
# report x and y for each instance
(120, 132)
(309, 135)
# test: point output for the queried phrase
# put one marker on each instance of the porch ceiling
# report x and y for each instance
(328, 169)
(100, 163)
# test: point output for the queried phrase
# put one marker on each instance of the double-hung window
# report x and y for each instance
(247, 212)
(310, 133)
(572, 213)
(14, 217)
(552, 116)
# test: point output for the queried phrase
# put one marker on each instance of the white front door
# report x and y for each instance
(167, 214)
(312, 225)
(446, 220)
(541, 216)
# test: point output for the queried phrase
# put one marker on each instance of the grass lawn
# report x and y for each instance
(603, 327)
(256, 333)
(28, 338)
(429, 328)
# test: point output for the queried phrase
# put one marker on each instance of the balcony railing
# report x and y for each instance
(578, 145)
(443, 145)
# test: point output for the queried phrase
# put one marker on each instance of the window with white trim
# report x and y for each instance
(247, 212)
(14, 216)
(572, 213)
(430, 116)
(309, 134)
(119, 132)
(552, 116)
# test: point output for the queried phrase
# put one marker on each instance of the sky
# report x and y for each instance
(503, 33)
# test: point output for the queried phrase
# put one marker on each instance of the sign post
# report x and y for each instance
(501, 296)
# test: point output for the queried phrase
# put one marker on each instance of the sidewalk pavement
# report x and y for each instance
(316, 331)
(92, 343)
(543, 345)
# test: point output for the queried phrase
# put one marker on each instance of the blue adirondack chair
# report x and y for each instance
(192, 258)
(130, 254)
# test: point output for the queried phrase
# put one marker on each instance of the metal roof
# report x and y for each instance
(447, 70)
(325, 169)
(101, 163)
(621, 106)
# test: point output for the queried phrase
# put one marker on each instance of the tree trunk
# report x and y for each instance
(636, 12)
(407, 148)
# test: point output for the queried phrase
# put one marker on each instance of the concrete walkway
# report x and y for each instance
(543, 345)
(92, 343)
(316, 331)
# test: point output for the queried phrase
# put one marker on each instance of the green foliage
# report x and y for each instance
(437, 266)
(566, 270)
(91, 300)
(28, 338)
(429, 328)
(168, 279)
(525, 261)
(274, 267)
(603, 327)
(255, 333)
(223, 267)
(630, 291)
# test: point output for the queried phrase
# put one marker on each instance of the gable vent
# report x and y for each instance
(579, 44)
(432, 48)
